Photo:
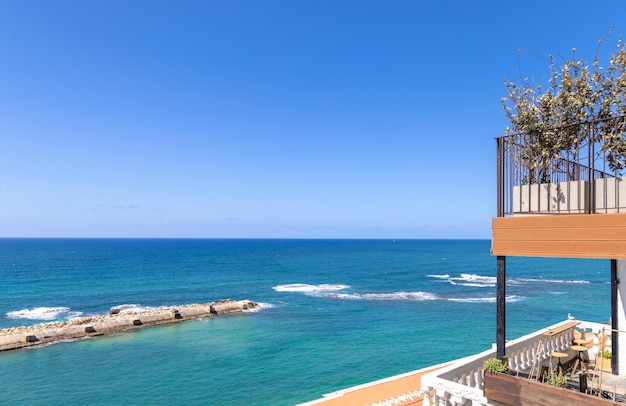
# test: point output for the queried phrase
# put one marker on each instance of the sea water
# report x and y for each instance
(333, 314)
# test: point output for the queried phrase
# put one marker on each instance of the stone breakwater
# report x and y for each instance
(116, 321)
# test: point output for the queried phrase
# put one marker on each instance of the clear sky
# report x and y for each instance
(263, 118)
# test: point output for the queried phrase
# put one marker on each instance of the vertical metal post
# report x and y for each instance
(501, 307)
(614, 323)
(500, 176)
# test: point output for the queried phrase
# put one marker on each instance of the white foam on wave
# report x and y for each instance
(304, 287)
(259, 307)
(467, 279)
(511, 298)
(480, 281)
(331, 291)
(476, 285)
(131, 308)
(44, 313)
(473, 280)
(414, 296)
(572, 281)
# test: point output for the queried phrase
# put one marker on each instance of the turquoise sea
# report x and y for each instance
(334, 313)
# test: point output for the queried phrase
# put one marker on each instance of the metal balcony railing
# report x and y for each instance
(532, 179)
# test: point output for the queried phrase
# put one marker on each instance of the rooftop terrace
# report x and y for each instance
(578, 175)
(461, 382)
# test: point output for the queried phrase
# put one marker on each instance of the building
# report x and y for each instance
(568, 204)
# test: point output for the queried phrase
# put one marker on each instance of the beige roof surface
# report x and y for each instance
(405, 389)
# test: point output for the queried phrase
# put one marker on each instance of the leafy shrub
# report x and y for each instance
(496, 365)
(555, 378)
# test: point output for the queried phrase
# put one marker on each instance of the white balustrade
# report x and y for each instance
(463, 380)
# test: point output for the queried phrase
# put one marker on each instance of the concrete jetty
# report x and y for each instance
(116, 321)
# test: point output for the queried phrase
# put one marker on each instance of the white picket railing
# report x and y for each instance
(461, 384)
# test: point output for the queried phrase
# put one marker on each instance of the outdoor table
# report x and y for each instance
(579, 358)
(558, 355)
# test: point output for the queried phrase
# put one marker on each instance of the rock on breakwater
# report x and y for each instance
(116, 321)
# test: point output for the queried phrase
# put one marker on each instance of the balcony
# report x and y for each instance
(463, 382)
(561, 203)
(581, 179)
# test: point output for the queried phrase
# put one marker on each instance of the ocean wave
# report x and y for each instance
(481, 281)
(414, 296)
(475, 285)
(131, 308)
(511, 298)
(476, 279)
(304, 287)
(330, 291)
(259, 307)
(532, 280)
(468, 279)
(44, 313)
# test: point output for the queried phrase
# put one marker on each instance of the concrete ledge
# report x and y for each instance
(226, 306)
(114, 322)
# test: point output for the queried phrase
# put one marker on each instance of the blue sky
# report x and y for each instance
(273, 119)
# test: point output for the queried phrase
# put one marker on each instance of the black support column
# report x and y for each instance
(501, 307)
(614, 315)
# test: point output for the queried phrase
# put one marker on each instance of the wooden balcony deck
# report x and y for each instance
(565, 236)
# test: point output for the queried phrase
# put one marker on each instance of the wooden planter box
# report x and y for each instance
(610, 195)
(562, 197)
(514, 391)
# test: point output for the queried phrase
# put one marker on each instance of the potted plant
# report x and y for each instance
(605, 360)
(555, 378)
(495, 365)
